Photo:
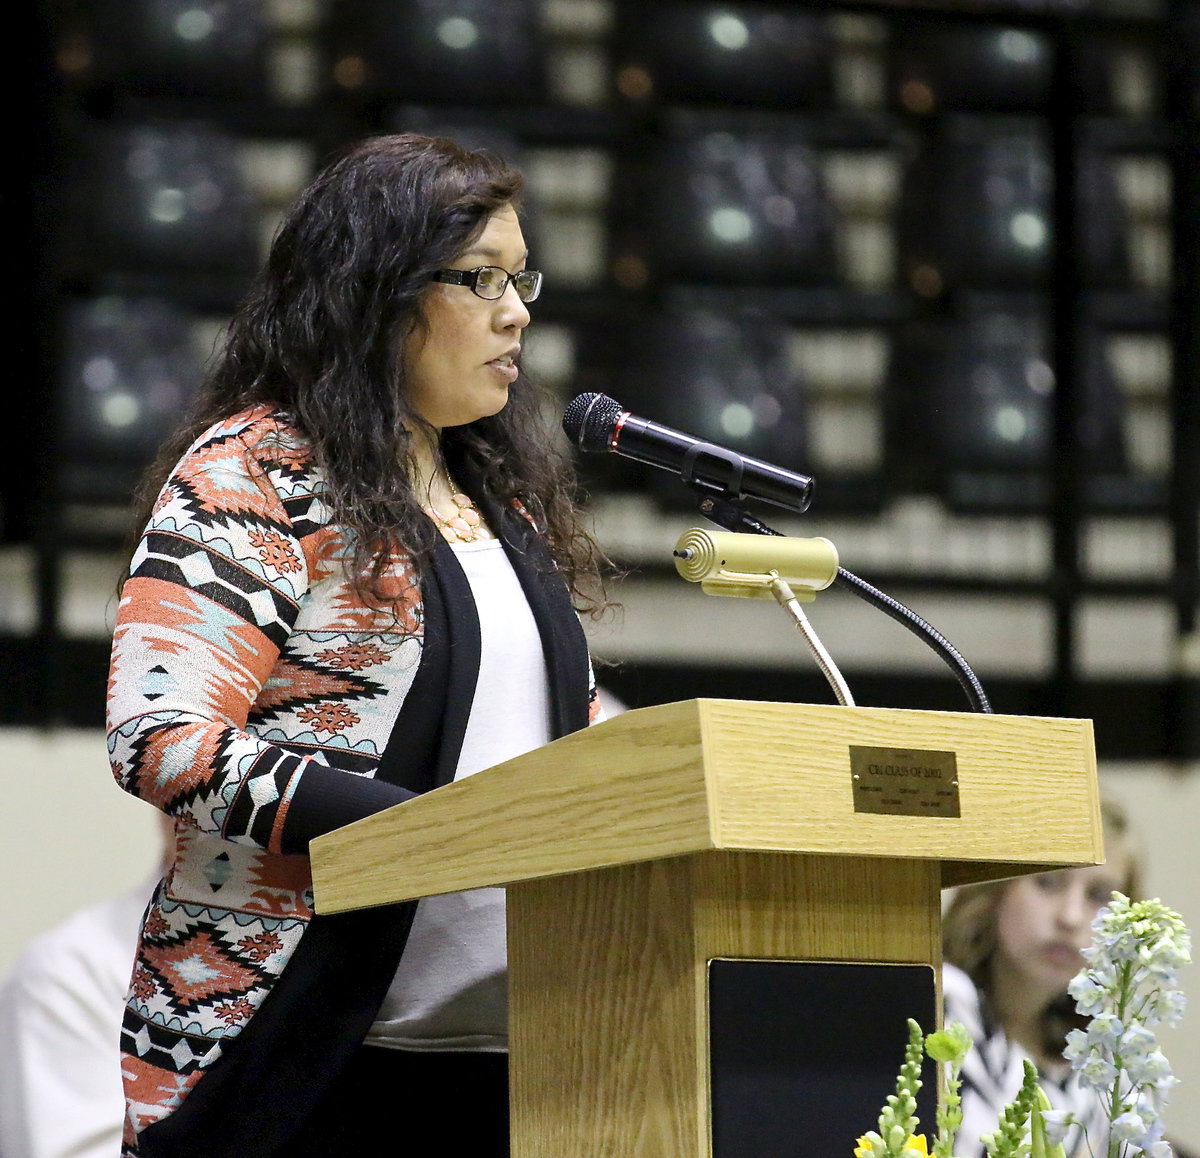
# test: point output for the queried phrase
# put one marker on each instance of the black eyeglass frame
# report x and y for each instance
(470, 278)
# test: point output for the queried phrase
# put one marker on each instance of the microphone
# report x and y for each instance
(595, 422)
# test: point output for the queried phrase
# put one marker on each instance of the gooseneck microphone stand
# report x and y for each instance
(731, 516)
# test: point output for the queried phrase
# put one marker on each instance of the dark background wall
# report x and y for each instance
(940, 256)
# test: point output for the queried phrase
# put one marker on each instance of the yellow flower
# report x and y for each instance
(915, 1147)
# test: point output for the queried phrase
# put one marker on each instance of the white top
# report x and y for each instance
(60, 1020)
(450, 991)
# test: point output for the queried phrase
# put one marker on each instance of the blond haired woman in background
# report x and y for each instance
(1010, 948)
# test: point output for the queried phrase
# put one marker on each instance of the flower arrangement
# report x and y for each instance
(1129, 985)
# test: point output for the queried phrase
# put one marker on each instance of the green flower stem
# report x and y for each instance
(1116, 1101)
(899, 1118)
(1009, 1140)
(948, 1047)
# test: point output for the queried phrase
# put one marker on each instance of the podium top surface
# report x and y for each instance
(987, 796)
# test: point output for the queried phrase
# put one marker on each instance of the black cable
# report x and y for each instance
(910, 619)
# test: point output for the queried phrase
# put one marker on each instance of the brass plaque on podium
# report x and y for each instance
(904, 781)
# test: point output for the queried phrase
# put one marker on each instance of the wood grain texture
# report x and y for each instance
(630, 789)
(602, 1023)
(1028, 791)
(702, 774)
(608, 1001)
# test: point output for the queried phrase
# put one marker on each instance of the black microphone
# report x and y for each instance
(595, 422)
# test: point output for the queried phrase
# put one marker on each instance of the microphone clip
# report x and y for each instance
(732, 488)
(730, 515)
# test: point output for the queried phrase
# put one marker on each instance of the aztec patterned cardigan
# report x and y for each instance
(256, 700)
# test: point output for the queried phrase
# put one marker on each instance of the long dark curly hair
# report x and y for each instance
(320, 337)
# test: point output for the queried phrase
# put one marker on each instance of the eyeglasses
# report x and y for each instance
(490, 281)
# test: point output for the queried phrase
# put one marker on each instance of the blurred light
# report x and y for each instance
(926, 281)
(350, 72)
(737, 420)
(976, 207)
(630, 272)
(194, 24)
(1029, 230)
(721, 147)
(767, 410)
(724, 375)
(779, 210)
(169, 195)
(99, 373)
(731, 225)
(74, 55)
(634, 83)
(458, 33)
(1017, 46)
(205, 195)
(733, 53)
(958, 67)
(119, 410)
(1039, 376)
(1010, 424)
(971, 412)
(177, 47)
(462, 52)
(129, 368)
(734, 196)
(916, 96)
(167, 205)
(729, 32)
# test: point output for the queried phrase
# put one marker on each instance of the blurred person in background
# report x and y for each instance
(61, 1005)
(1010, 949)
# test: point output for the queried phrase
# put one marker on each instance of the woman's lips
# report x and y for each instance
(505, 367)
(1066, 955)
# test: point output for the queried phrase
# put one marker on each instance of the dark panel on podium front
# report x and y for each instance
(804, 1054)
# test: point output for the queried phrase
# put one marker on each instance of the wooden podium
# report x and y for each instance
(642, 851)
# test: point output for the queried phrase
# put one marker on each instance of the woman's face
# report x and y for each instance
(1044, 920)
(461, 363)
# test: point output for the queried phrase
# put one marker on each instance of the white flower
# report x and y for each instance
(1164, 1006)
(1170, 1007)
(1090, 996)
(1168, 955)
(1105, 1030)
(1152, 1070)
(1077, 1045)
(1130, 983)
(1058, 1122)
(1136, 1042)
(1097, 1072)
(1129, 1127)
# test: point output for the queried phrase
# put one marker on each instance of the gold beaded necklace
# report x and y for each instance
(466, 525)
